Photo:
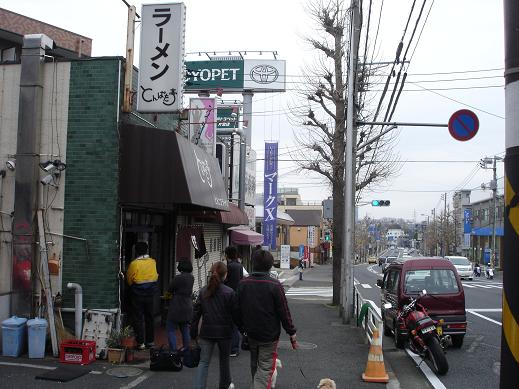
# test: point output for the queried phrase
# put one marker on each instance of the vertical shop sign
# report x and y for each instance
(161, 58)
(202, 123)
(285, 257)
(270, 194)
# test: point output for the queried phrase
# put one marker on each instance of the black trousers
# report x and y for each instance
(142, 310)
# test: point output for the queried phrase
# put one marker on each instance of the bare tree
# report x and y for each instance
(323, 114)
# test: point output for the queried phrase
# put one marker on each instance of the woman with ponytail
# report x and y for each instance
(216, 306)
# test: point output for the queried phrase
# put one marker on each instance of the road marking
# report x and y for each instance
(486, 309)
(366, 286)
(28, 365)
(316, 291)
(426, 370)
(483, 317)
(136, 381)
(370, 268)
(475, 343)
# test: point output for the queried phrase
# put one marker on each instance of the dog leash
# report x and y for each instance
(300, 365)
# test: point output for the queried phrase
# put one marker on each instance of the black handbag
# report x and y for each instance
(192, 356)
(164, 360)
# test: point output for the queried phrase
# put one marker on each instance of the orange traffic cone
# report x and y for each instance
(375, 370)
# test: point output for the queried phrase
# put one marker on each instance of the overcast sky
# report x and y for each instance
(464, 36)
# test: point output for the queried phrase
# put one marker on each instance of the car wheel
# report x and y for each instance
(457, 341)
(399, 341)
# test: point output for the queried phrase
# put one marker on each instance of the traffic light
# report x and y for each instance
(327, 236)
(380, 203)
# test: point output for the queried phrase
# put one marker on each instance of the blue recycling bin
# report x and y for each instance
(13, 336)
(37, 330)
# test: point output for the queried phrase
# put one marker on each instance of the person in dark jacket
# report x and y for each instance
(263, 308)
(234, 276)
(216, 306)
(180, 309)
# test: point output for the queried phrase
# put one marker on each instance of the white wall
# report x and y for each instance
(53, 146)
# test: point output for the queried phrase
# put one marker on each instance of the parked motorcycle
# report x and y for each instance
(425, 335)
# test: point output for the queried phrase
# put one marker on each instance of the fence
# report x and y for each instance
(368, 316)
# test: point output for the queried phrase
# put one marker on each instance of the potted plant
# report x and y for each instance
(115, 350)
(128, 337)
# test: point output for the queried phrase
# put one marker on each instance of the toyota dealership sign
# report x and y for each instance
(257, 75)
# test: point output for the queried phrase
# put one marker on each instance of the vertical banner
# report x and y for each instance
(301, 251)
(270, 194)
(202, 123)
(311, 236)
(161, 63)
(285, 256)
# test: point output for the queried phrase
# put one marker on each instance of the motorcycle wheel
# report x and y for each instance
(457, 341)
(437, 356)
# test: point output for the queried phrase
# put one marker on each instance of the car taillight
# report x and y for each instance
(457, 325)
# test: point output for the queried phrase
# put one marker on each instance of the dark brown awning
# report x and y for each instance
(160, 168)
(235, 216)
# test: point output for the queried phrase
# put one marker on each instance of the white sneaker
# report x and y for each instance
(231, 386)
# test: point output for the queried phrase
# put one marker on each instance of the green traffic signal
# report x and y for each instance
(380, 203)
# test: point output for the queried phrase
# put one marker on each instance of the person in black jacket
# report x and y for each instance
(263, 309)
(216, 305)
(180, 309)
(234, 276)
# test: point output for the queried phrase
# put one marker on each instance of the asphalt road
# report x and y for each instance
(476, 364)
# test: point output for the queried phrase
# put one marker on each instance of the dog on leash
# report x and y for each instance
(326, 383)
(279, 365)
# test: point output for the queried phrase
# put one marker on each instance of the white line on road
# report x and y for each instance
(136, 381)
(486, 309)
(366, 286)
(484, 317)
(28, 365)
(429, 374)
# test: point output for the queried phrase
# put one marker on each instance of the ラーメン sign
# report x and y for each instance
(161, 57)
(256, 75)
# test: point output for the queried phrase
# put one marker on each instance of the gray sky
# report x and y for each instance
(459, 36)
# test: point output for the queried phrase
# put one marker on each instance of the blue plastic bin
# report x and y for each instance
(37, 330)
(13, 336)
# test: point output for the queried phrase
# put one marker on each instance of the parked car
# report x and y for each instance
(463, 266)
(445, 298)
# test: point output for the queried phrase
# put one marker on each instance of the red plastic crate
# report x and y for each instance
(81, 352)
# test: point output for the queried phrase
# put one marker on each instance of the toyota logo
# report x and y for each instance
(264, 74)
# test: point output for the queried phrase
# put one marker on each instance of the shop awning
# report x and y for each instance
(246, 237)
(162, 169)
(235, 216)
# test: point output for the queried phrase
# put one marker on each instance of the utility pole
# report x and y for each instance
(435, 237)
(493, 186)
(444, 228)
(509, 372)
(350, 169)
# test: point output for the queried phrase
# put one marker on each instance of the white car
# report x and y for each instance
(463, 266)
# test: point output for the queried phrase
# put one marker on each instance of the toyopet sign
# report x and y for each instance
(284, 262)
(228, 117)
(256, 75)
(161, 57)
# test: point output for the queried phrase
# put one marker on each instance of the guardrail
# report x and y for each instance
(368, 316)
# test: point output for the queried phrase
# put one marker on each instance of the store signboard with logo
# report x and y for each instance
(161, 57)
(264, 76)
(256, 75)
(228, 117)
(202, 123)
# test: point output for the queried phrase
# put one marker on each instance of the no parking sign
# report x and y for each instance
(463, 125)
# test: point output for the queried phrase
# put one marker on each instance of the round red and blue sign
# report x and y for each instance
(463, 125)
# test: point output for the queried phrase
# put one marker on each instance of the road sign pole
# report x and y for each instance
(509, 375)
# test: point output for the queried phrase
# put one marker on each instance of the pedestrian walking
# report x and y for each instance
(142, 278)
(300, 268)
(234, 276)
(216, 307)
(180, 309)
(263, 309)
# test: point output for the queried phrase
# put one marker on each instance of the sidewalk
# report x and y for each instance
(329, 349)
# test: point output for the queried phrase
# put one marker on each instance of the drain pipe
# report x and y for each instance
(78, 302)
(243, 161)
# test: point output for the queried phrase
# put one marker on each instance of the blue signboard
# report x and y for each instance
(467, 218)
(301, 251)
(270, 195)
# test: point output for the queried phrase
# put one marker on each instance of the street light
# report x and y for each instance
(425, 234)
